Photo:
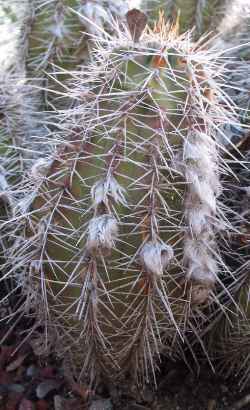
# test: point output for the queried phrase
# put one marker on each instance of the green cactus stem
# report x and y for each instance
(204, 15)
(119, 247)
(58, 33)
(11, 167)
(232, 333)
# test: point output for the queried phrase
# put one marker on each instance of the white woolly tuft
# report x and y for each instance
(3, 182)
(5, 189)
(102, 233)
(155, 257)
(202, 175)
(97, 16)
(40, 168)
(106, 189)
(59, 30)
(24, 204)
(201, 264)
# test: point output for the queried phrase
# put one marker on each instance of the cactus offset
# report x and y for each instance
(120, 245)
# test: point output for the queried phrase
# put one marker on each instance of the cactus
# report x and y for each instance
(204, 15)
(11, 166)
(118, 255)
(35, 34)
(56, 34)
(232, 348)
(234, 38)
(232, 329)
(229, 340)
(119, 259)
(119, 250)
(12, 133)
(107, 253)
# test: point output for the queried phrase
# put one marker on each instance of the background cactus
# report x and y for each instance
(11, 168)
(232, 333)
(45, 34)
(119, 252)
(201, 15)
(56, 34)
(234, 39)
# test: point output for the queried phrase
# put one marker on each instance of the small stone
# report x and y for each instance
(136, 406)
(148, 395)
(101, 405)
(16, 388)
(58, 402)
(26, 405)
(46, 387)
(16, 363)
(32, 371)
(3, 389)
(224, 388)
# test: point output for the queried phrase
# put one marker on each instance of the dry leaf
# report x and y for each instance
(12, 401)
(59, 403)
(26, 405)
(137, 21)
(42, 405)
(46, 387)
(16, 363)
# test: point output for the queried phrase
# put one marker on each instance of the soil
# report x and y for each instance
(33, 382)
(179, 389)
(30, 380)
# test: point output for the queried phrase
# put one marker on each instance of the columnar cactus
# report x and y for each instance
(203, 15)
(58, 33)
(233, 330)
(234, 39)
(232, 347)
(231, 336)
(11, 167)
(119, 248)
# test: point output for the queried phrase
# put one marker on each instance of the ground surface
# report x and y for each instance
(31, 381)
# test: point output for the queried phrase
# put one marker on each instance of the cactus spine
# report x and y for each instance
(119, 248)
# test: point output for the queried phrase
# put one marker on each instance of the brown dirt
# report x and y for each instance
(32, 382)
